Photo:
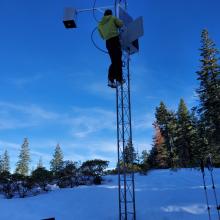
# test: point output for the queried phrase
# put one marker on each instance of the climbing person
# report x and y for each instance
(109, 30)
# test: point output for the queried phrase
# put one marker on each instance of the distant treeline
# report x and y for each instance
(184, 137)
(62, 174)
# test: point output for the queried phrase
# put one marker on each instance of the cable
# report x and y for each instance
(95, 29)
(93, 11)
(94, 43)
(115, 7)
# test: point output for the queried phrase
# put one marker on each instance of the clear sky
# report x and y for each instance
(53, 85)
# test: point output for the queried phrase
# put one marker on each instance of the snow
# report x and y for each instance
(161, 195)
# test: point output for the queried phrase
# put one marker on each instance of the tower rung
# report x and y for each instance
(127, 202)
(127, 180)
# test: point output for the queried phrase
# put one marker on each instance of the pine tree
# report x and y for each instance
(144, 163)
(42, 177)
(5, 162)
(186, 134)
(144, 156)
(56, 164)
(24, 159)
(152, 158)
(162, 157)
(166, 121)
(198, 149)
(1, 164)
(209, 95)
(130, 155)
(40, 163)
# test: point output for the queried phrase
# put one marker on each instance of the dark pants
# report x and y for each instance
(114, 49)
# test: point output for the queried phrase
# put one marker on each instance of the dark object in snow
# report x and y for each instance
(202, 166)
(97, 180)
(48, 219)
(209, 163)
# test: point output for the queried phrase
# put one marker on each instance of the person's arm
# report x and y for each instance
(100, 32)
(118, 22)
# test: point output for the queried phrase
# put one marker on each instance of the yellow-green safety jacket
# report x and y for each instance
(108, 27)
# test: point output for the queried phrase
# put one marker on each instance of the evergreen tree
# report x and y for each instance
(152, 158)
(5, 162)
(42, 177)
(130, 155)
(40, 163)
(209, 96)
(197, 149)
(130, 158)
(144, 164)
(185, 138)
(94, 168)
(161, 157)
(68, 175)
(56, 164)
(144, 156)
(166, 121)
(1, 164)
(138, 158)
(24, 159)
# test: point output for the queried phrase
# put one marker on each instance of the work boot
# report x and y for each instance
(120, 82)
(112, 84)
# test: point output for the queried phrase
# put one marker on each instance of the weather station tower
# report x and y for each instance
(129, 34)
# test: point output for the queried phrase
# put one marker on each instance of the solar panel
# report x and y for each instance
(130, 32)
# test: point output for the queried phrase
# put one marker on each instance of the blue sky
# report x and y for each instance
(53, 81)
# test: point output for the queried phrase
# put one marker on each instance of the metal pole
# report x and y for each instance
(123, 144)
(129, 106)
(119, 165)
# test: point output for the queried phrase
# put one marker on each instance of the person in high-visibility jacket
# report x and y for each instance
(109, 30)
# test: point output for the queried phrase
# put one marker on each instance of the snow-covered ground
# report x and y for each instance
(161, 195)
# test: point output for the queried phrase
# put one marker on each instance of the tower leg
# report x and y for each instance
(126, 181)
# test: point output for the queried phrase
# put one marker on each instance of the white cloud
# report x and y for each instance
(13, 116)
(90, 120)
(29, 109)
(80, 121)
(20, 82)
(104, 146)
(9, 145)
(10, 123)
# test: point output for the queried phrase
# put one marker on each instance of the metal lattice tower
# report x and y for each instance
(126, 184)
